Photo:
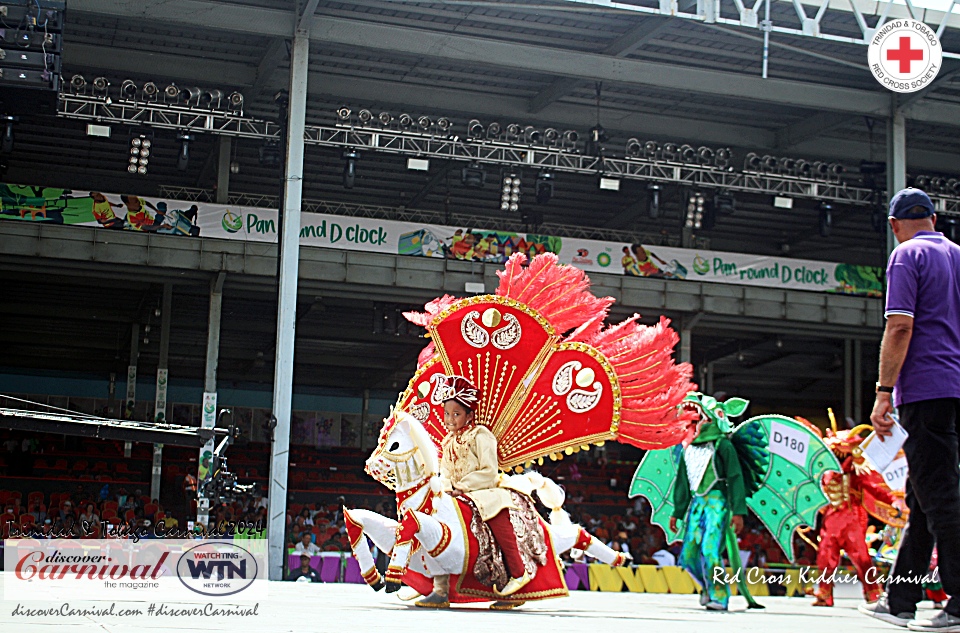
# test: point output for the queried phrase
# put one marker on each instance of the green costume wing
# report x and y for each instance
(789, 494)
(654, 480)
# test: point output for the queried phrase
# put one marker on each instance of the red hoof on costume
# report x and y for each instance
(872, 593)
(824, 597)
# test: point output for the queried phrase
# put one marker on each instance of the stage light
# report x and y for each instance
(510, 192)
(836, 169)
(78, 85)
(6, 145)
(544, 187)
(100, 86)
(651, 149)
(653, 201)
(139, 154)
(633, 148)
(364, 116)
(385, 119)
(532, 135)
(953, 187)
(418, 164)
(343, 113)
(724, 203)
(234, 167)
(570, 138)
(405, 121)
(722, 158)
(802, 168)
(551, 136)
(211, 99)
(190, 96)
(609, 184)
(235, 102)
(670, 151)
(171, 94)
(787, 165)
(938, 184)
(922, 182)
(474, 129)
(751, 162)
(821, 168)
(493, 131)
(350, 168)
(826, 219)
(183, 156)
(705, 155)
(878, 219)
(424, 123)
(473, 176)
(150, 91)
(513, 132)
(128, 90)
(596, 137)
(688, 154)
(444, 124)
(769, 163)
(695, 207)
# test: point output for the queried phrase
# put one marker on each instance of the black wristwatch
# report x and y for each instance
(884, 389)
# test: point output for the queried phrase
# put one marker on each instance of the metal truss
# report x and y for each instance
(164, 115)
(106, 428)
(748, 16)
(495, 152)
(428, 217)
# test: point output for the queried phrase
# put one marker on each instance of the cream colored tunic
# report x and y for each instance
(469, 463)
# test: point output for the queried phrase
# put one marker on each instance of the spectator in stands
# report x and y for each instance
(90, 521)
(332, 544)
(38, 514)
(67, 514)
(305, 573)
(305, 515)
(306, 546)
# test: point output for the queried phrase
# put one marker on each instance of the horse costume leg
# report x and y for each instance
(567, 535)
(381, 530)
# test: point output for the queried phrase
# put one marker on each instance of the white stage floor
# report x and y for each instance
(305, 608)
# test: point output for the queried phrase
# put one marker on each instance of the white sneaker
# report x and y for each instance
(881, 611)
(943, 622)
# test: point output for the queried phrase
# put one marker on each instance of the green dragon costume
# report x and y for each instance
(770, 464)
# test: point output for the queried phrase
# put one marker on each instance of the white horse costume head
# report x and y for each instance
(405, 455)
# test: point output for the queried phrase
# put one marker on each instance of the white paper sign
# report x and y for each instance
(896, 474)
(789, 442)
(882, 454)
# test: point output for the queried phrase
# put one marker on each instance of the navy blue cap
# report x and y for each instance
(904, 205)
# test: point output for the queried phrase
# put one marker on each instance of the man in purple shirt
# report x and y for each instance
(920, 374)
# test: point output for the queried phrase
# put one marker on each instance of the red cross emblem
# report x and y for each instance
(905, 54)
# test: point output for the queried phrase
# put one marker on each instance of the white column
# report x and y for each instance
(287, 308)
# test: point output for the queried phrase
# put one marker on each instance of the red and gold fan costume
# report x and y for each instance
(553, 378)
(854, 494)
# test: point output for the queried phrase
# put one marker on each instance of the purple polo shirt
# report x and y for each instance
(923, 281)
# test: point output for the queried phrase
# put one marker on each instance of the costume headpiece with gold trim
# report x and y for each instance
(459, 389)
(552, 378)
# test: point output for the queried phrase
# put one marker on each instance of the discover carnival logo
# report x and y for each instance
(86, 568)
(905, 55)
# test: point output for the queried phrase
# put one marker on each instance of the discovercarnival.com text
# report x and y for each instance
(65, 610)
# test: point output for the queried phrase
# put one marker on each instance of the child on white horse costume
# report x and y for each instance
(533, 373)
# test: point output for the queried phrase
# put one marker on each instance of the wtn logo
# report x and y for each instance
(217, 569)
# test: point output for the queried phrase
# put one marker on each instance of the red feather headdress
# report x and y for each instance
(553, 379)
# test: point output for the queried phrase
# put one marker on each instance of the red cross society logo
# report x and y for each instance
(905, 55)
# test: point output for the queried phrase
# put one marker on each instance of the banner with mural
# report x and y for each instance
(171, 217)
